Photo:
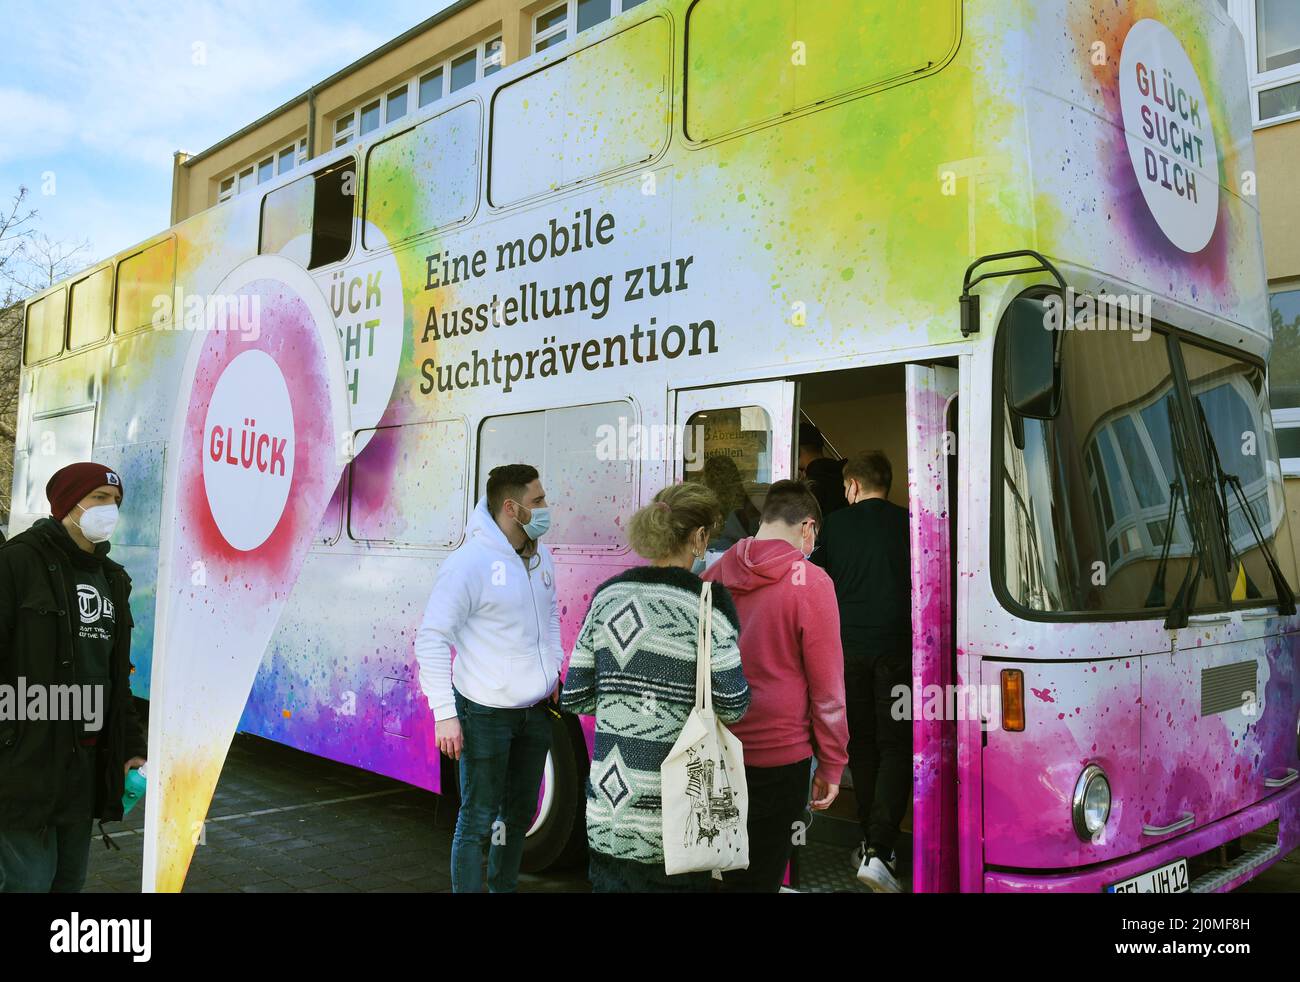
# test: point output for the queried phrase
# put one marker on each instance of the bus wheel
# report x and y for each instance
(558, 836)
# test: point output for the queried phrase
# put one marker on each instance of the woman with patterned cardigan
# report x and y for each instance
(633, 668)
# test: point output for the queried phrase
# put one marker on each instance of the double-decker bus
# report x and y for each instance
(1013, 243)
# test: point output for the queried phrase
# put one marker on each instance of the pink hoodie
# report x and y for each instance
(791, 655)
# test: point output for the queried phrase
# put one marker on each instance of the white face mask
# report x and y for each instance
(97, 523)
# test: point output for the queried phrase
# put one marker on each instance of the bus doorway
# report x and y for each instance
(908, 412)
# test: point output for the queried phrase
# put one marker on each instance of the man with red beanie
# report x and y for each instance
(790, 653)
(65, 646)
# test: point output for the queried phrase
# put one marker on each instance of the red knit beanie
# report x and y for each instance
(72, 483)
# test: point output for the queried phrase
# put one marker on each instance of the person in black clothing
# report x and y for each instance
(866, 551)
(827, 479)
(65, 627)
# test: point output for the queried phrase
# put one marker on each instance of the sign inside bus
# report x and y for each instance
(1170, 135)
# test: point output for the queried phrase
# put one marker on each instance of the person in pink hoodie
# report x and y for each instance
(790, 652)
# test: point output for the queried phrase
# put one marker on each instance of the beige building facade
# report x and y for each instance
(453, 48)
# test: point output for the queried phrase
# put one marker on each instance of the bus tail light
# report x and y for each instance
(1013, 700)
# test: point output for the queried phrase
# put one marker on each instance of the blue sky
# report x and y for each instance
(95, 95)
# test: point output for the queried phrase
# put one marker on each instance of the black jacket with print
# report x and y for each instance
(36, 646)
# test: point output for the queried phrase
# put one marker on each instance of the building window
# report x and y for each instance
(552, 26)
(369, 118)
(266, 170)
(1272, 32)
(1277, 30)
(1278, 102)
(246, 179)
(227, 189)
(395, 105)
(430, 87)
(344, 129)
(1284, 376)
(464, 70)
(281, 161)
(494, 56)
(286, 159)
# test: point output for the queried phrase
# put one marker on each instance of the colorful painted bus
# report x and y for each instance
(678, 235)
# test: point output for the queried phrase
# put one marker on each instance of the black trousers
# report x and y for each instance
(880, 746)
(778, 805)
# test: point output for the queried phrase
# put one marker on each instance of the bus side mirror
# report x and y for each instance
(1033, 389)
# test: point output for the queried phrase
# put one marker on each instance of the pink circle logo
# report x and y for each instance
(248, 449)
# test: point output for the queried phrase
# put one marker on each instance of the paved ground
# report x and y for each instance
(285, 821)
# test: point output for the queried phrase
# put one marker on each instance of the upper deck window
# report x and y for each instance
(425, 178)
(44, 336)
(598, 110)
(92, 299)
(748, 61)
(144, 287)
(310, 220)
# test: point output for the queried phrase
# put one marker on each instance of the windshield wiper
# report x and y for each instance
(1285, 596)
(1185, 598)
(1156, 595)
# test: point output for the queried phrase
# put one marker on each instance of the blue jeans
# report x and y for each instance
(54, 859)
(501, 767)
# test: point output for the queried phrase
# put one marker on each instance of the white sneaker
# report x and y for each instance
(859, 852)
(878, 873)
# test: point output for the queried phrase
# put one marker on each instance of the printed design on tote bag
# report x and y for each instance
(712, 812)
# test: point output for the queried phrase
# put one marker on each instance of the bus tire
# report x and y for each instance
(560, 837)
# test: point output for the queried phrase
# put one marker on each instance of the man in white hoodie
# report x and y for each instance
(494, 601)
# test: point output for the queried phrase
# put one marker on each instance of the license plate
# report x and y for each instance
(1170, 878)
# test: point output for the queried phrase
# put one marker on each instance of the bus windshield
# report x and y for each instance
(1099, 505)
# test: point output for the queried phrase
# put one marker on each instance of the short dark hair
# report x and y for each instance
(791, 502)
(811, 437)
(508, 481)
(870, 469)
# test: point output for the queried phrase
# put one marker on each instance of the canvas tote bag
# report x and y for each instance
(705, 801)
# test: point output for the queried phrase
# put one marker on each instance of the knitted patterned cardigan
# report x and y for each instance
(633, 668)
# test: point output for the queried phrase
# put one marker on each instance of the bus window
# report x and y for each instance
(1236, 411)
(144, 287)
(586, 470)
(423, 179)
(44, 337)
(310, 220)
(54, 440)
(91, 302)
(603, 108)
(749, 61)
(729, 450)
(407, 485)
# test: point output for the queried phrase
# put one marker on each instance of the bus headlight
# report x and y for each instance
(1091, 802)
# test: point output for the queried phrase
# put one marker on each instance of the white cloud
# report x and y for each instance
(32, 124)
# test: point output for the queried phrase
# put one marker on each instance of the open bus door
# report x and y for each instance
(931, 474)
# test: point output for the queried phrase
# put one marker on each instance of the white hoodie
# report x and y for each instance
(504, 622)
